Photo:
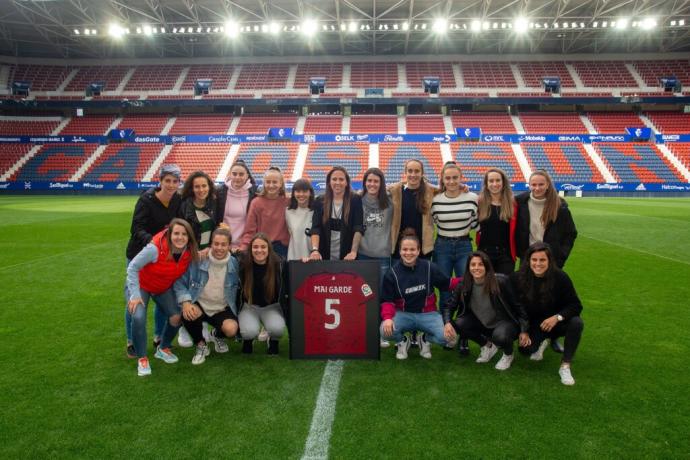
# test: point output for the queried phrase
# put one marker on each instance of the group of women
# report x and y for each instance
(217, 255)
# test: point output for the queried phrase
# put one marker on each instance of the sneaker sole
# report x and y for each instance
(166, 360)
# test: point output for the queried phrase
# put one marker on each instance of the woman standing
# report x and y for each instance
(552, 305)
(263, 294)
(199, 208)
(412, 207)
(234, 198)
(377, 218)
(267, 214)
(337, 222)
(487, 312)
(299, 216)
(408, 301)
(497, 221)
(153, 211)
(152, 274)
(544, 216)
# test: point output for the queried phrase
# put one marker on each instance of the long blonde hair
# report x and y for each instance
(553, 201)
(507, 200)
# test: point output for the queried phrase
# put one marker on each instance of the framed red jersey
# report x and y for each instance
(334, 310)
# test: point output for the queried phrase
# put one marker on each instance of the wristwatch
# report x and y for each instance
(559, 318)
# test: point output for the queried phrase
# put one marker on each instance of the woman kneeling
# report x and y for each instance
(488, 313)
(207, 293)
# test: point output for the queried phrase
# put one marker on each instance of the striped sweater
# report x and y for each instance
(455, 217)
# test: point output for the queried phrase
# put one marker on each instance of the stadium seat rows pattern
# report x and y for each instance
(566, 162)
(475, 158)
(55, 162)
(392, 158)
(322, 156)
(123, 162)
(637, 163)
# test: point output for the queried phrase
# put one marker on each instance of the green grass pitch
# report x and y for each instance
(68, 391)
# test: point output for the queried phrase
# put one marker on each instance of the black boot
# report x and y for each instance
(247, 346)
(273, 347)
(464, 347)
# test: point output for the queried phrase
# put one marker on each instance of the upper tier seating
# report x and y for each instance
(93, 125)
(110, 75)
(27, 128)
(154, 77)
(55, 162)
(533, 72)
(670, 122)
(144, 124)
(374, 124)
(565, 162)
(123, 162)
(373, 75)
(475, 158)
(323, 156)
(262, 76)
(425, 124)
(259, 156)
(201, 124)
(637, 163)
(261, 123)
(614, 122)
(416, 71)
(489, 122)
(652, 71)
(604, 74)
(331, 71)
(392, 158)
(41, 77)
(552, 123)
(323, 124)
(193, 157)
(219, 73)
(487, 75)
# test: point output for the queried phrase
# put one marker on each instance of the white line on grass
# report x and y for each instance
(319, 437)
(52, 256)
(636, 250)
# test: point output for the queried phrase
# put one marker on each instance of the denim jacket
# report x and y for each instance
(188, 288)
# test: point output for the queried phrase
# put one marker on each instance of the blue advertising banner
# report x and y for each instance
(661, 138)
(469, 134)
(639, 133)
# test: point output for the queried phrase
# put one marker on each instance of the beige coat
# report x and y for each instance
(427, 222)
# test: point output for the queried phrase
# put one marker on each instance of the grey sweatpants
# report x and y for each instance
(252, 316)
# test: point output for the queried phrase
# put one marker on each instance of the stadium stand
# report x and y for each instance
(489, 122)
(322, 157)
(123, 162)
(55, 162)
(144, 124)
(682, 151)
(192, 157)
(567, 162)
(323, 124)
(94, 125)
(651, 71)
(42, 77)
(637, 163)
(487, 75)
(376, 124)
(614, 122)
(670, 122)
(552, 123)
(203, 123)
(392, 157)
(110, 75)
(260, 156)
(533, 72)
(415, 71)
(154, 78)
(27, 127)
(332, 72)
(262, 76)
(10, 154)
(425, 124)
(474, 158)
(373, 75)
(260, 123)
(605, 74)
(219, 73)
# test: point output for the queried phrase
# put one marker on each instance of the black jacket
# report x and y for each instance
(150, 217)
(560, 235)
(282, 286)
(222, 198)
(187, 212)
(347, 232)
(506, 301)
(563, 300)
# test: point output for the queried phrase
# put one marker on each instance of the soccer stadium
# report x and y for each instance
(101, 100)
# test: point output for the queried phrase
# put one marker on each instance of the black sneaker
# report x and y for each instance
(247, 347)
(131, 352)
(556, 346)
(273, 347)
(464, 348)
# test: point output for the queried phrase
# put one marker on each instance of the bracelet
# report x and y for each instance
(313, 250)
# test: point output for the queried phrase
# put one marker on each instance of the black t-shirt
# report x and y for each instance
(259, 288)
(495, 232)
(410, 216)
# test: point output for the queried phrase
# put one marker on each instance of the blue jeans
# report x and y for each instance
(168, 304)
(429, 323)
(451, 256)
(159, 319)
(384, 266)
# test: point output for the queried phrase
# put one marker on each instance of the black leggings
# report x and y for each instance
(570, 329)
(503, 335)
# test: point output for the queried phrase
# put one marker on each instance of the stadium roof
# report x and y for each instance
(200, 28)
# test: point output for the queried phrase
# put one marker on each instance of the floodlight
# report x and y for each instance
(648, 23)
(116, 30)
(681, 22)
(424, 26)
(595, 24)
(440, 26)
(405, 26)
(147, 30)
(475, 26)
(87, 32)
(622, 24)
(76, 31)
(309, 27)
(231, 29)
(274, 28)
(520, 25)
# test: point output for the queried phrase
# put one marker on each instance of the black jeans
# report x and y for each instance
(570, 329)
(500, 259)
(503, 335)
(195, 327)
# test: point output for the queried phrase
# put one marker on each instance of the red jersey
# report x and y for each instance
(334, 313)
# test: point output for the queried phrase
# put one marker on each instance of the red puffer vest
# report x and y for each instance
(159, 276)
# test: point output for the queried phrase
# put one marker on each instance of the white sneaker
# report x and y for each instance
(219, 343)
(202, 351)
(204, 332)
(452, 343)
(504, 363)
(263, 335)
(143, 367)
(566, 376)
(486, 353)
(424, 347)
(384, 343)
(403, 347)
(539, 354)
(184, 339)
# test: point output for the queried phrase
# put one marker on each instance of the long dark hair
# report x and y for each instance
(301, 184)
(272, 271)
(528, 280)
(188, 187)
(192, 246)
(240, 162)
(384, 202)
(507, 200)
(328, 196)
(421, 204)
(553, 201)
(490, 282)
